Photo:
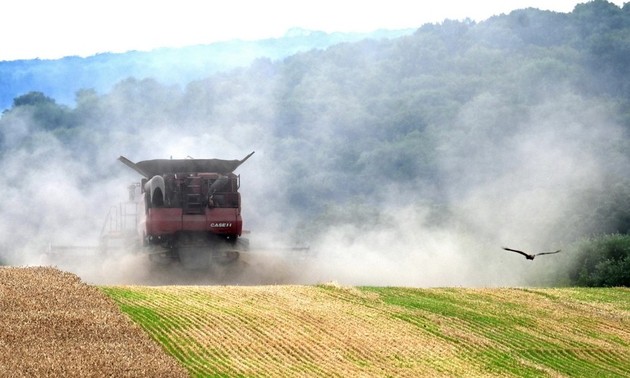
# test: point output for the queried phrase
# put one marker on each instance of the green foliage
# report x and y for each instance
(33, 99)
(602, 261)
(61, 78)
(45, 112)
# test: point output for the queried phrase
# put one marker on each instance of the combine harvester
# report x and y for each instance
(185, 211)
(183, 214)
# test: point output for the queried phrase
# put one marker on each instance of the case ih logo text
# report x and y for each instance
(220, 225)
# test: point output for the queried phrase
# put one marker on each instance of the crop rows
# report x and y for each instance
(528, 332)
(329, 331)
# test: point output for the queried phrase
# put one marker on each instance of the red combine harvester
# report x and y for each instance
(188, 210)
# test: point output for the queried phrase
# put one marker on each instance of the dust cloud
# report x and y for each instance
(520, 186)
(502, 181)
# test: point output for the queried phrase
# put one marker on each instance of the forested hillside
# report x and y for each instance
(61, 78)
(430, 150)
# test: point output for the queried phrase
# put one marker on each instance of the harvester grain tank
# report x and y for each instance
(189, 210)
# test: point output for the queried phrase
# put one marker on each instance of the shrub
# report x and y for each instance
(602, 261)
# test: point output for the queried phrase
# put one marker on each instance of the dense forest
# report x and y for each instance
(61, 78)
(428, 150)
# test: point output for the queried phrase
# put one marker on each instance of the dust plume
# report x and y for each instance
(500, 175)
(521, 185)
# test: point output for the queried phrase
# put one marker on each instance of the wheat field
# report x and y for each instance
(54, 325)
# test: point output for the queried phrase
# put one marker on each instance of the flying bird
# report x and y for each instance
(527, 255)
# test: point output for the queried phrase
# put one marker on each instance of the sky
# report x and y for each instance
(47, 29)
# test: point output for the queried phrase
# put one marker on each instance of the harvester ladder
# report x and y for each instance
(193, 198)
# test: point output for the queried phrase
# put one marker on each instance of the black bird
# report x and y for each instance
(527, 255)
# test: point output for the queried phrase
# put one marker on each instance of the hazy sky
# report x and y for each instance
(52, 29)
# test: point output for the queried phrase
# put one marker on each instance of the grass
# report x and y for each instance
(333, 331)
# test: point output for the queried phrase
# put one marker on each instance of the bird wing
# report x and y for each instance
(515, 250)
(547, 253)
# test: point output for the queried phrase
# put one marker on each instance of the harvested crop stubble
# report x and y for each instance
(52, 324)
(283, 331)
(334, 331)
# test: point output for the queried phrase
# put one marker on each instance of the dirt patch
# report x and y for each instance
(52, 324)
